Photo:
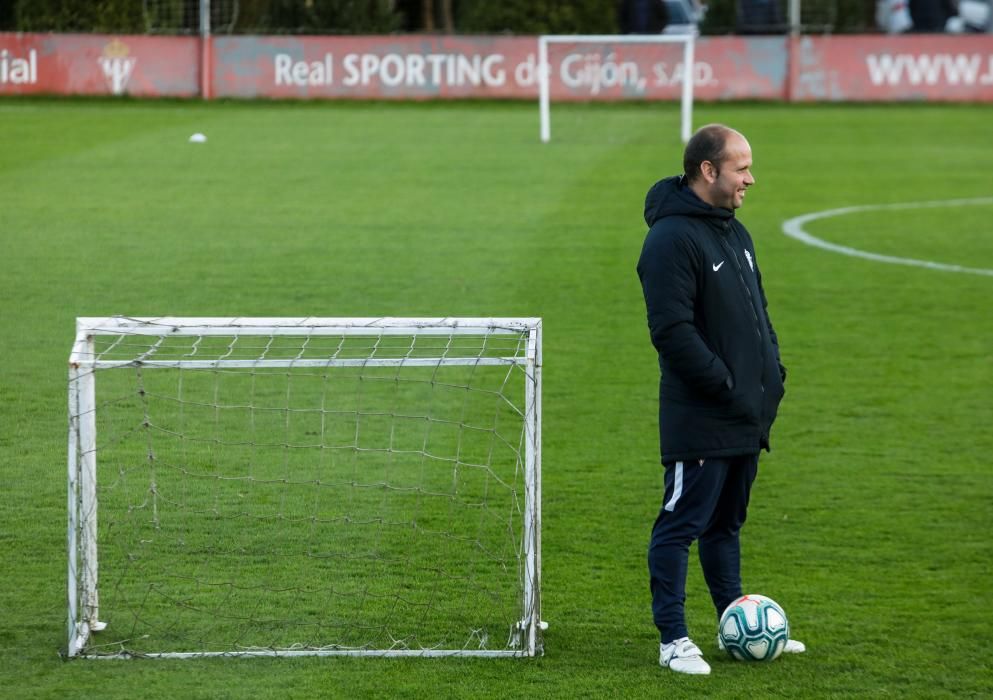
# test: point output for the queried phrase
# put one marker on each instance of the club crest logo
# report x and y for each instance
(748, 256)
(117, 65)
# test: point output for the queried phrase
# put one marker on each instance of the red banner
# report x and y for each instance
(874, 68)
(862, 68)
(409, 67)
(89, 64)
(380, 67)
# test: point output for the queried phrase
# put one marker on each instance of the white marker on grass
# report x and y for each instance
(794, 229)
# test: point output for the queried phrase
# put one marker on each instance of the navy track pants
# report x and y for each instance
(707, 502)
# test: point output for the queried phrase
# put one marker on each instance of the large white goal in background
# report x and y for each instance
(688, 40)
(304, 486)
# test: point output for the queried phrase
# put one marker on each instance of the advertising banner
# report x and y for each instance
(421, 68)
(94, 64)
(930, 67)
(407, 67)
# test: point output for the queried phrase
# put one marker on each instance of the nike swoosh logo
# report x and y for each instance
(718, 267)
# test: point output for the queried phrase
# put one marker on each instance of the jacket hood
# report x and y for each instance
(673, 197)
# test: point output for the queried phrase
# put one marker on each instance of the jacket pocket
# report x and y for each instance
(739, 405)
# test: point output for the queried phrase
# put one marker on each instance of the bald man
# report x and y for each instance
(721, 378)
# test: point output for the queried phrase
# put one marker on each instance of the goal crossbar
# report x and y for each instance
(316, 327)
(688, 41)
(313, 325)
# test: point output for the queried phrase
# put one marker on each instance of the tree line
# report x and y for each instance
(526, 17)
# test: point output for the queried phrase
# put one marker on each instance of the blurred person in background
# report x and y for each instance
(931, 15)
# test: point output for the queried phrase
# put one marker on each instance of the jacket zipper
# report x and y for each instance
(751, 303)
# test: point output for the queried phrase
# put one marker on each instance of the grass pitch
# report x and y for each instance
(870, 520)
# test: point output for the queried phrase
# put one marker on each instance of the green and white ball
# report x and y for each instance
(754, 628)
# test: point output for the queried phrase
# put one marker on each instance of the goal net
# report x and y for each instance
(592, 66)
(304, 486)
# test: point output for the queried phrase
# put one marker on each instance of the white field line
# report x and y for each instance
(794, 229)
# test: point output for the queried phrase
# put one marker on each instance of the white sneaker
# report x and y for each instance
(792, 646)
(683, 656)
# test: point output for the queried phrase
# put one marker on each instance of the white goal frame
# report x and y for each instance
(688, 41)
(83, 580)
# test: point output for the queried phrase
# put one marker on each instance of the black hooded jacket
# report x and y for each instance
(722, 379)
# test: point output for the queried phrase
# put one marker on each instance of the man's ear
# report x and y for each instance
(709, 171)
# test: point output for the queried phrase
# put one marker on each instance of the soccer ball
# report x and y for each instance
(754, 628)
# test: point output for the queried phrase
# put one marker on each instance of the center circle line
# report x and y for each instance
(794, 229)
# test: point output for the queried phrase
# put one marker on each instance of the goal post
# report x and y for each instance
(688, 40)
(304, 486)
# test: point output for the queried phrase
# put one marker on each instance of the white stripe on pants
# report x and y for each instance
(677, 487)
